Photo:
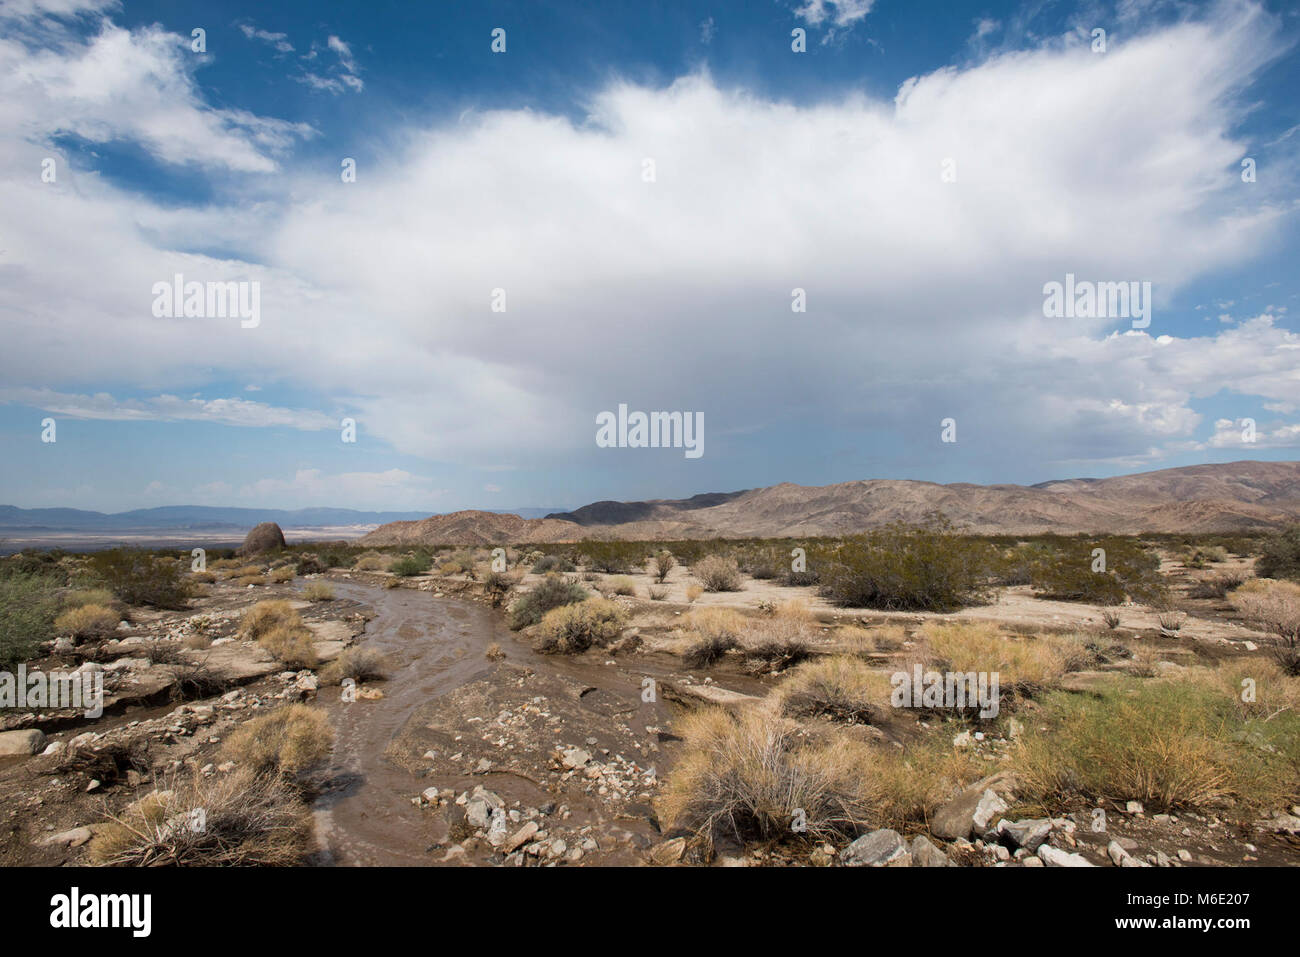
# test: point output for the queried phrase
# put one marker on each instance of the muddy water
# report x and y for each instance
(432, 646)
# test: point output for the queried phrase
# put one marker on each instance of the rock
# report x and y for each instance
(1184, 855)
(883, 848)
(962, 740)
(1117, 853)
(669, 852)
(1014, 728)
(73, 838)
(1033, 862)
(957, 818)
(574, 758)
(925, 854)
(431, 796)
(1054, 857)
(22, 742)
(521, 837)
(478, 813)
(262, 538)
(1027, 834)
(1133, 807)
(1286, 824)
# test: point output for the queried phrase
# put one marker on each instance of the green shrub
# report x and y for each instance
(1281, 556)
(139, 577)
(551, 592)
(553, 563)
(28, 606)
(613, 558)
(1067, 573)
(905, 568)
(409, 565)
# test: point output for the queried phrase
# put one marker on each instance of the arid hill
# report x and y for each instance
(1229, 497)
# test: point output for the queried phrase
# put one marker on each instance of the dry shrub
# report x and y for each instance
(234, 819)
(207, 578)
(657, 593)
(494, 652)
(245, 571)
(318, 591)
(265, 616)
(1025, 666)
(1275, 605)
(285, 743)
(779, 640)
(358, 663)
(890, 638)
(1178, 742)
(664, 563)
(292, 645)
(87, 621)
(717, 631)
(551, 592)
(839, 687)
(572, 629)
(282, 574)
(747, 774)
(855, 640)
(373, 562)
(622, 585)
(718, 573)
(693, 592)
(245, 580)
(77, 597)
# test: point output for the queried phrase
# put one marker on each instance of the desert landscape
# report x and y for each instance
(434, 694)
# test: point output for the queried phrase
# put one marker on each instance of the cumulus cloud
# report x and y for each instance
(924, 296)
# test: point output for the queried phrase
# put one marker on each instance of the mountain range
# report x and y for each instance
(1225, 498)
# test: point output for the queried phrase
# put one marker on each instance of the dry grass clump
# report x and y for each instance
(693, 592)
(318, 591)
(285, 743)
(718, 573)
(87, 621)
(78, 597)
(245, 580)
(717, 631)
(291, 645)
(657, 593)
(748, 774)
(1025, 666)
(855, 640)
(282, 574)
(622, 585)
(1187, 741)
(572, 629)
(243, 571)
(265, 616)
(494, 652)
(358, 663)
(235, 819)
(777, 641)
(1275, 605)
(840, 687)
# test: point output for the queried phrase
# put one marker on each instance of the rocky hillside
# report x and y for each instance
(1230, 497)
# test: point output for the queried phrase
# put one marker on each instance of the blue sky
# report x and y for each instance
(525, 171)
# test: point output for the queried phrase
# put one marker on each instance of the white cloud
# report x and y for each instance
(924, 296)
(169, 408)
(841, 13)
(280, 41)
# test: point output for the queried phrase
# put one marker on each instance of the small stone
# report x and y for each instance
(1184, 855)
(1133, 807)
(882, 848)
(669, 852)
(1054, 857)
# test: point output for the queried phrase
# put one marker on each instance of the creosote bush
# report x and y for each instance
(905, 568)
(29, 604)
(139, 577)
(1280, 556)
(551, 592)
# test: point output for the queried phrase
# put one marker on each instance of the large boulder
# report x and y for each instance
(22, 742)
(263, 538)
(973, 809)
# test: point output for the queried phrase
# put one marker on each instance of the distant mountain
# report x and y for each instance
(188, 516)
(1228, 497)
